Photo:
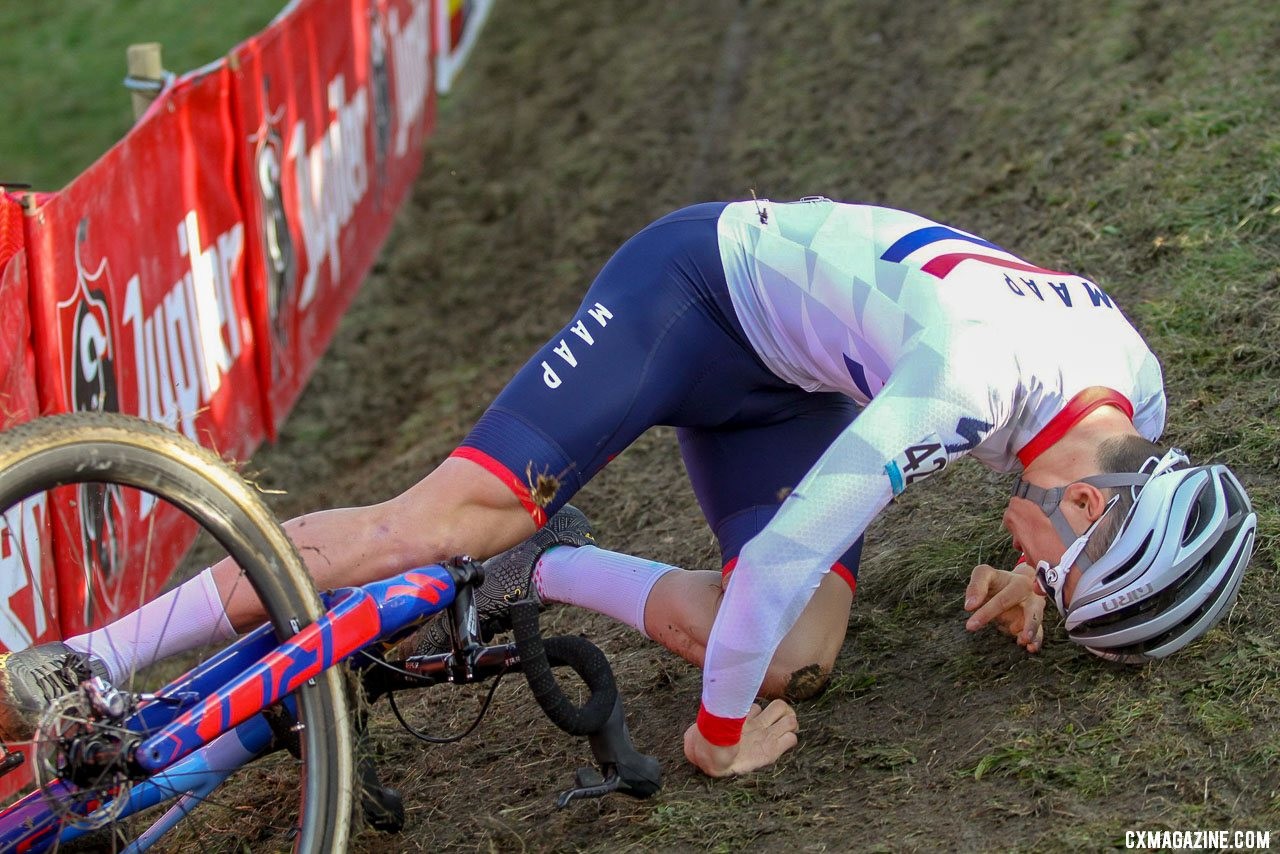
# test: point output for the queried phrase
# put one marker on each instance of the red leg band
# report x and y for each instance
(504, 474)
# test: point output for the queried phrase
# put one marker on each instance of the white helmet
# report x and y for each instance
(1173, 569)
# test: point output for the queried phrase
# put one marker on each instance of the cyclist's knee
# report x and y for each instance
(792, 680)
(803, 663)
(807, 683)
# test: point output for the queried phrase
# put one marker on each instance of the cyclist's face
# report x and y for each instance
(1034, 535)
(1032, 532)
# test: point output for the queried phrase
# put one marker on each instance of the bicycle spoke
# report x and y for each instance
(135, 824)
(123, 569)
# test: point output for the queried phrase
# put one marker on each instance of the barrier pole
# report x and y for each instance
(146, 75)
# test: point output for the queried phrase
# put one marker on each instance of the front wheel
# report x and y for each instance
(106, 486)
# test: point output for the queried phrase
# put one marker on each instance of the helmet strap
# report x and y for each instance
(1049, 499)
(1053, 579)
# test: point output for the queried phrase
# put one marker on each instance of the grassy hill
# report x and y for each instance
(1135, 142)
(63, 65)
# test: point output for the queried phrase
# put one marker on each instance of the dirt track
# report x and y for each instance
(573, 126)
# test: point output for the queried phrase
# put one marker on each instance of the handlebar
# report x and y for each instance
(469, 661)
(536, 658)
(622, 768)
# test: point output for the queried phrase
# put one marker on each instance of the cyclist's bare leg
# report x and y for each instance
(683, 605)
(457, 509)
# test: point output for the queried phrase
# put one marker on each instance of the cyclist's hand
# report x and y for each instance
(1009, 601)
(767, 734)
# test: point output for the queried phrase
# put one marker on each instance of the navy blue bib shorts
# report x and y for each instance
(656, 341)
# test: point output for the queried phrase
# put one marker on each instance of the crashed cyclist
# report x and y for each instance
(817, 359)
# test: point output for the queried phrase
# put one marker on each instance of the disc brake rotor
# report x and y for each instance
(83, 793)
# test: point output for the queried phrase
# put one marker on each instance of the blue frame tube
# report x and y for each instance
(227, 694)
(356, 618)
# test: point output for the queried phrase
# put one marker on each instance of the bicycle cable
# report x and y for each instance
(424, 736)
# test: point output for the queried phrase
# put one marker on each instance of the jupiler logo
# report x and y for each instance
(331, 176)
(411, 47)
(279, 261)
(187, 339)
(380, 80)
(91, 376)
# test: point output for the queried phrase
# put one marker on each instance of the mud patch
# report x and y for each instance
(1075, 136)
(807, 683)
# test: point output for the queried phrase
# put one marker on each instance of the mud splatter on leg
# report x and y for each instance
(807, 683)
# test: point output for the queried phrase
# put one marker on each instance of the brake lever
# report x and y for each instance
(589, 785)
(622, 768)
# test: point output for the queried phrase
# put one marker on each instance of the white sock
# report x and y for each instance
(610, 583)
(187, 617)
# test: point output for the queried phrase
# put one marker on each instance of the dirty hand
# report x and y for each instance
(767, 734)
(1009, 600)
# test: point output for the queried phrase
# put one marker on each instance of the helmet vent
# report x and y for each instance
(1133, 560)
(1201, 515)
(1191, 619)
(1236, 502)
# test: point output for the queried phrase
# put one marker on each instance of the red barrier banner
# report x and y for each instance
(28, 607)
(334, 101)
(27, 610)
(139, 306)
(458, 23)
(18, 400)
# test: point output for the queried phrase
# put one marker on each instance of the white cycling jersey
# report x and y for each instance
(953, 346)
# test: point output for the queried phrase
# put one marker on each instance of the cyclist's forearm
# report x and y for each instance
(458, 509)
(341, 548)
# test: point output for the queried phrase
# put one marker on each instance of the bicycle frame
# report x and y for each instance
(209, 722)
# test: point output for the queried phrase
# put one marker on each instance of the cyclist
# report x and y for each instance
(817, 358)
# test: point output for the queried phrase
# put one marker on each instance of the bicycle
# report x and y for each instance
(108, 757)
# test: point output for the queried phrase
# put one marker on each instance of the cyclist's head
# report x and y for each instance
(1163, 561)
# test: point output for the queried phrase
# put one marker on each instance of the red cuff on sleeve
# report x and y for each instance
(843, 571)
(722, 732)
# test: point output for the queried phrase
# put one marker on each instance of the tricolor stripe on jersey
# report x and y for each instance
(943, 264)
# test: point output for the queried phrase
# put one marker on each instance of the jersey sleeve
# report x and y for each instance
(926, 415)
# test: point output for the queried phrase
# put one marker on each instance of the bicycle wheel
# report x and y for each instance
(131, 461)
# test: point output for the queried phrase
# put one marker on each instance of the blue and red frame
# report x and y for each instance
(209, 722)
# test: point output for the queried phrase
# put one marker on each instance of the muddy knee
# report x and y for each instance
(806, 683)
(792, 683)
(803, 663)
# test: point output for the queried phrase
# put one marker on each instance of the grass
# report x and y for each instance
(1134, 142)
(1143, 148)
(63, 64)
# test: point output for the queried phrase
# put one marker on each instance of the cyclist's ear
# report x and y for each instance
(1088, 499)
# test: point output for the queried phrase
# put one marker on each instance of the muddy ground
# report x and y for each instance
(1037, 124)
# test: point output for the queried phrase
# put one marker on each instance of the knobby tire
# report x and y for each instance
(110, 448)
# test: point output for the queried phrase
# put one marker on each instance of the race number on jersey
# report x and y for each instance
(916, 463)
